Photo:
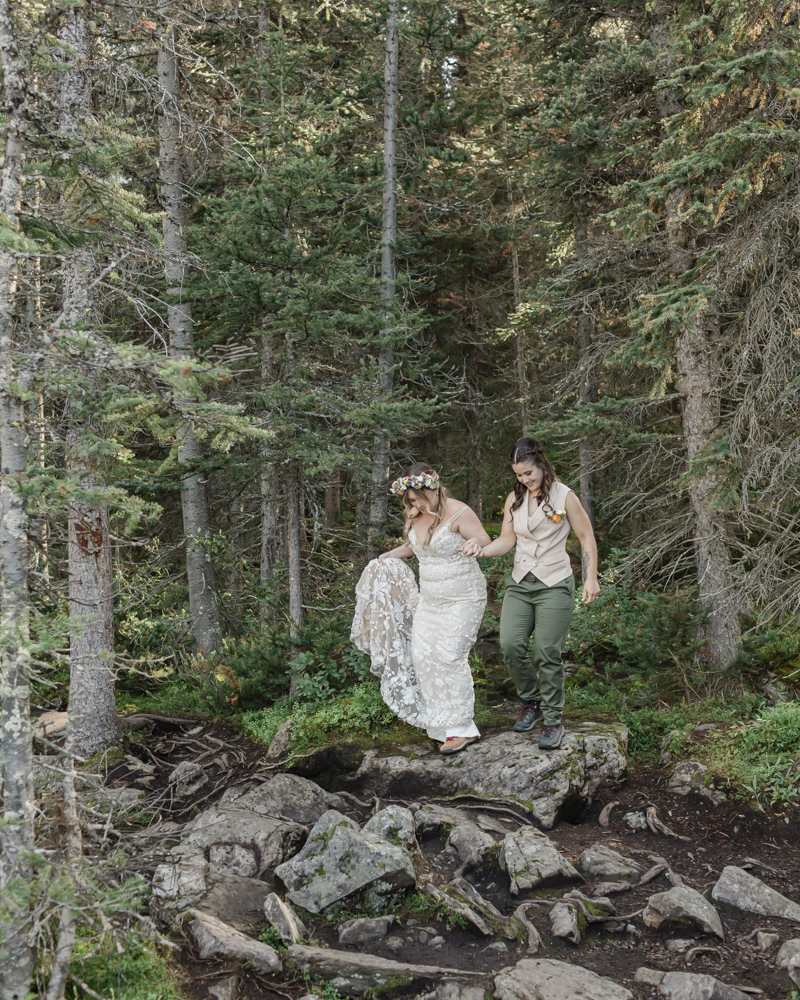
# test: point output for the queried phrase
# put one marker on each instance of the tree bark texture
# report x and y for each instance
(16, 743)
(587, 327)
(695, 364)
(92, 702)
(269, 500)
(519, 340)
(203, 607)
(333, 501)
(380, 449)
(294, 543)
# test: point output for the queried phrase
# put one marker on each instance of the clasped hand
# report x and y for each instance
(470, 548)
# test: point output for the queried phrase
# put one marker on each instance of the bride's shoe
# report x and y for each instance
(455, 743)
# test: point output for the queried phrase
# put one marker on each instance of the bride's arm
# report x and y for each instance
(399, 552)
(502, 544)
(470, 527)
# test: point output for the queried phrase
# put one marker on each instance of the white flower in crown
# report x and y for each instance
(423, 481)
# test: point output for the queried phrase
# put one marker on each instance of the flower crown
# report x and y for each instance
(425, 481)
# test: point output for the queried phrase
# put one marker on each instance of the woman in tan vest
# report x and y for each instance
(540, 593)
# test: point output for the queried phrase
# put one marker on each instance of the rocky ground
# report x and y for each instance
(502, 871)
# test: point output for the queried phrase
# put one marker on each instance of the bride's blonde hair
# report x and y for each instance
(409, 512)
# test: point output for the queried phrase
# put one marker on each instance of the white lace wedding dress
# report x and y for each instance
(419, 643)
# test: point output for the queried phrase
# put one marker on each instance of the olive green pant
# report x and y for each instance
(532, 609)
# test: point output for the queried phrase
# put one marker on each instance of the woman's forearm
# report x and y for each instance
(498, 547)
(399, 552)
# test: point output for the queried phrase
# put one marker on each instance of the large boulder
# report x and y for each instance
(395, 824)
(353, 973)
(290, 797)
(683, 905)
(739, 888)
(548, 979)
(238, 841)
(554, 784)
(339, 860)
(188, 881)
(530, 858)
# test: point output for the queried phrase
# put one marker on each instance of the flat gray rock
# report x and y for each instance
(364, 929)
(395, 824)
(238, 841)
(601, 860)
(683, 905)
(282, 917)
(451, 989)
(548, 979)
(509, 765)
(187, 778)
(339, 860)
(214, 937)
(739, 888)
(688, 985)
(531, 858)
(693, 776)
(434, 819)
(354, 973)
(290, 797)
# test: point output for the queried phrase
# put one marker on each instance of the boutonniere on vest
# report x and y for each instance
(555, 515)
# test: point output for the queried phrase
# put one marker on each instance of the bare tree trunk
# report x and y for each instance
(16, 831)
(269, 503)
(473, 422)
(588, 386)
(695, 364)
(92, 702)
(202, 582)
(294, 539)
(521, 359)
(333, 501)
(380, 449)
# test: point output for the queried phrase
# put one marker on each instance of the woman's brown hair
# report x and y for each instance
(528, 450)
(409, 512)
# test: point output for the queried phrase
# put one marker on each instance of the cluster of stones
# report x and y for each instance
(266, 851)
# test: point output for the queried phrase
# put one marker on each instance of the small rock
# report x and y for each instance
(394, 943)
(436, 942)
(633, 930)
(688, 985)
(395, 824)
(635, 820)
(683, 903)
(451, 989)
(213, 937)
(431, 819)
(766, 941)
(602, 903)
(225, 989)
(789, 949)
(564, 922)
(187, 778)
(471, 843)
(693, 776)
(601, 860)
(500, 946)
(282, 917)
(280, 741)
(364, 929)
(614, 926)
(531, 858)
(50, 724)
(739, 888)
(607, 888)
(539, 978)
(679, 944)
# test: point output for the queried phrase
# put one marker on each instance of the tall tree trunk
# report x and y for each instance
(695, 364)
(294, 540)
(92, 702)
(269, 503)
(202, 582)
(588, 386)
(519, 340)
(333, 501)
(380, 448)
(16, 754)
(472, 416)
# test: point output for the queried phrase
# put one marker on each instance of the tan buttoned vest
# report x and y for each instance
(541, 543)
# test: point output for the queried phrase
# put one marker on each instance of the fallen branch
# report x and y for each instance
(534, 938)
(657, 826)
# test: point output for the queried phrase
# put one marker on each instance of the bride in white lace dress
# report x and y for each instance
(452, 598)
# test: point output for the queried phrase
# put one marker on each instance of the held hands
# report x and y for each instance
(591, 590)
(471, 548)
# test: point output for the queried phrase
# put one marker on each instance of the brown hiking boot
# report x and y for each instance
(455, 743)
